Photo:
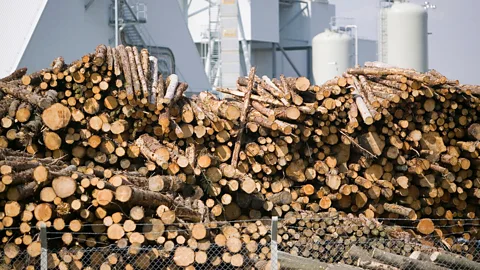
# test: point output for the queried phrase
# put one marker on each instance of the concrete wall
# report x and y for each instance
(66, 29)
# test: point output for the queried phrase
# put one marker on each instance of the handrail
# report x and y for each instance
(164, 54)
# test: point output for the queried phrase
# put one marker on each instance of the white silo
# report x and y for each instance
(407, 36)
(332, 54)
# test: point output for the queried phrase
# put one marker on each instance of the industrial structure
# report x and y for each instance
(45, 29)
(209, 43)
(404, 35)
(119, 149)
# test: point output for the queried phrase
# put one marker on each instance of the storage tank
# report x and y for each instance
(332, 54)
(407, 36)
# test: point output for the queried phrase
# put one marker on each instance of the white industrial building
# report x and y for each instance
(34, 32)
(209, 43)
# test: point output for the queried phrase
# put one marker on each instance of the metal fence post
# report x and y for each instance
(43, 242)
(273, 244)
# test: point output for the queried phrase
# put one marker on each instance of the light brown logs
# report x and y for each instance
(452, 260)
(141, 74)
(152, 149)
(56, 117)
(126, 71)
(141, 197)
(165, 183)
(243, 118)
(400, 210)
(134, 72)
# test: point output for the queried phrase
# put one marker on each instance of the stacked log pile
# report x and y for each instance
(381, 141)
(108, 141)
(329, 236)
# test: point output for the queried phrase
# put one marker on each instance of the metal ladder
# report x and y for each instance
(210, 45)
(382, 35)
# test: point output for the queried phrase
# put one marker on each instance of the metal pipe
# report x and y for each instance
(274, 60)
(293, 48)
(309, 63)
(356, 41)
(44, 246)
(289, 60)
(207, 61)
(217, 78)
(274, 245)
(243, 41)
(87, 6)
(116, 23)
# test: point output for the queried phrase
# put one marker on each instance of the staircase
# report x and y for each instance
(132, 15)
(210, 45)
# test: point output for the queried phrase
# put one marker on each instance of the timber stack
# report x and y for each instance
(107, 140)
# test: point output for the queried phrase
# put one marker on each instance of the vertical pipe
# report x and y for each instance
(273, 244)
(274, 60)
(44, 247)
(246, 45)
(356, 46)
(116, 23)
(356, 41)
(309, 64)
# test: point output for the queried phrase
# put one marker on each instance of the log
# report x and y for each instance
(17, 74)
(365, 261)
(141, 75)
(134, 72)
(141, 197)
(22, 93)
(64, 186)
(296, 262)
(243, 118)
(56, 116)
(152, 149)
(153, 63)
(453, 260)
(425, 226)
(402, 262)
(400, 210)
(127, 72)
(172, 83)
(164, 183)
(372, 143)
(184, 256)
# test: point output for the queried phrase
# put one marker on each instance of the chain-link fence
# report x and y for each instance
(320, 244)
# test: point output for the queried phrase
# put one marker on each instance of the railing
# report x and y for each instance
(134, 33)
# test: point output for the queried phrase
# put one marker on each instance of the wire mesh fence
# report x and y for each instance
(155, 257)
(305, 244)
